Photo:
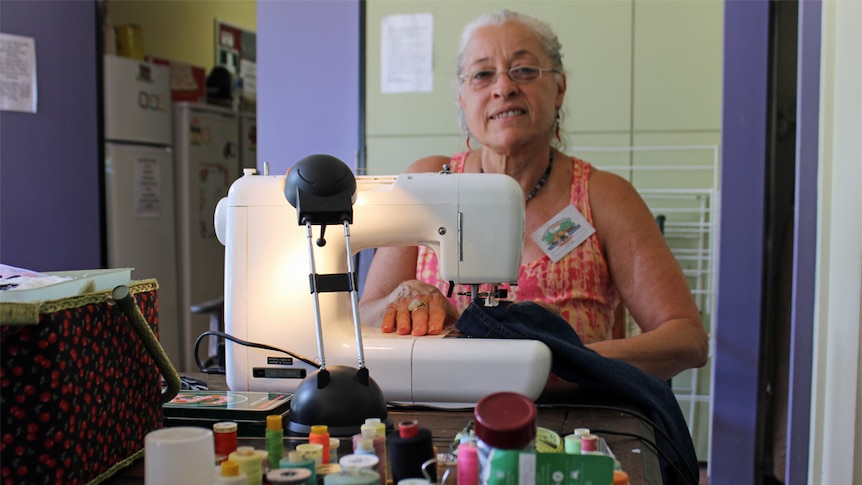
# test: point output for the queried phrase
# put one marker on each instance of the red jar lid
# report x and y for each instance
(505, 420)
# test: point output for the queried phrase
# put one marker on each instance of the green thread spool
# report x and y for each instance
(250, 463)
(274, 440)
(573, 444)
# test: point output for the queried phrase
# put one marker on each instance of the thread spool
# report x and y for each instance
(324, 470)
(409, 448)
(225, 439)
(353, 477)
(572, 444)
(468, 464)
(250, 463)
(375, 430)
(621, 477)
(589, 444)
(274, 439)
(295, 459)
(358, 462)
(319, 434)
(288, 476)
(227, 473)
(182, 454)
(334, 444)
(363, 446)
(313, 451)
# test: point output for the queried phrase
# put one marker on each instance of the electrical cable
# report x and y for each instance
(239, 341)
(206, 370)
(652, 445)
(641, 417)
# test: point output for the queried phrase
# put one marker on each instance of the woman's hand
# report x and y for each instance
(417, 308)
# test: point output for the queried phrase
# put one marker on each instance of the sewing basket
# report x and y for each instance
(79, 385)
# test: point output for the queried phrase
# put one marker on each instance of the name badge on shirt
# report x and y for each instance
(562, 233)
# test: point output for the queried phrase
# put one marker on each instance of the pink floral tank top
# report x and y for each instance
(579, 283)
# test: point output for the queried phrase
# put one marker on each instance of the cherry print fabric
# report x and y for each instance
(78, 392)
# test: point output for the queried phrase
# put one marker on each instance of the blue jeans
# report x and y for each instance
(576, 363)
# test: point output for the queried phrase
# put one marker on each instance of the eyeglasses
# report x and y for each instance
(483, 78)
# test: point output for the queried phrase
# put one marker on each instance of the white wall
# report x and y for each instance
(836, 422)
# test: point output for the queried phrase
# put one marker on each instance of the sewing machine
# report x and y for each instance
(474, 223)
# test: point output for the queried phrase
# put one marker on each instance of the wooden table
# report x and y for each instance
(560, 412)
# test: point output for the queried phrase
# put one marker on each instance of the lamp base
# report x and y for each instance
(341, 397)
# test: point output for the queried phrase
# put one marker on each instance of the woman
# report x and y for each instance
(512, 86)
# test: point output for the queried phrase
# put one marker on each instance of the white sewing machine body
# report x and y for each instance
(475, 224)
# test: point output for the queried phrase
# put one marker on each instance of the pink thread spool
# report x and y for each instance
(589, 443)
(468, 464)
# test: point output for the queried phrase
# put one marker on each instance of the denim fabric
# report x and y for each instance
(574, 362)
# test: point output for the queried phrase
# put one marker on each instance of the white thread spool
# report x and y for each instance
(288, 476)
(181, 455)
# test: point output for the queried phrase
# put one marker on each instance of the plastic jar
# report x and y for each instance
(506, 421)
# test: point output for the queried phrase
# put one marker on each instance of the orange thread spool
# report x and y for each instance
(320, 435)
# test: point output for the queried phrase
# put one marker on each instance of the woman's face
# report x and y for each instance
(507, 115)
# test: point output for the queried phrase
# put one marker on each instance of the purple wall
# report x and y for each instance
(740, 270)
(49, 161)
(308, 73)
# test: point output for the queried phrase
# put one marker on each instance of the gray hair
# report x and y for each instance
(547, 38)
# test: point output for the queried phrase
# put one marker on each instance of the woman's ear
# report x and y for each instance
(561, 90)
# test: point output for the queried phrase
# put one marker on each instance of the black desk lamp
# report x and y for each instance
(322, 189)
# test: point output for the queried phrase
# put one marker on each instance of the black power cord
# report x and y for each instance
(246, 343)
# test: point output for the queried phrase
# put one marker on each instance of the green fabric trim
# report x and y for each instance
(122, 295)
(27, 313)
(117, 467)
(13, 313)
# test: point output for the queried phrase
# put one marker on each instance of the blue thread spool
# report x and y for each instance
(353, 477)
(295, 459)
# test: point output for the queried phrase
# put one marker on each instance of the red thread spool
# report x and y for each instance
(224, 438)
(408, 429)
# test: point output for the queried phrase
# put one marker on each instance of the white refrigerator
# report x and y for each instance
(207, 148)
(139, 182)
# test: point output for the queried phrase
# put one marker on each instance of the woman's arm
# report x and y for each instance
(391, 286)
(650, 281)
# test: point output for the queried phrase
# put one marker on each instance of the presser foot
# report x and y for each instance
(491, 298)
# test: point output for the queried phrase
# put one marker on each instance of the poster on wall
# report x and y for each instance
(17, 73)
(407, 53)
(236, 49)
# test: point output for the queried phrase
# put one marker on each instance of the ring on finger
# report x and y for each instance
(416, 304)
